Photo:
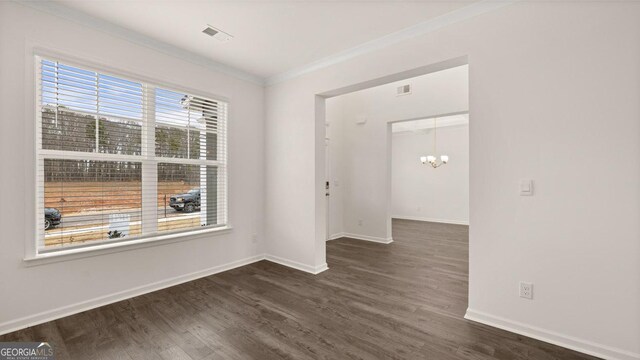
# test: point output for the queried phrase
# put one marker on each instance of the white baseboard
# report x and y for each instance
(54, 314)
(335, 236)
(418, 218)
(551, 337)
(368, 238)
(296, 265)
(71, 309)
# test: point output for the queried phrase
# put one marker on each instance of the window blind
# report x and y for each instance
(120, 159)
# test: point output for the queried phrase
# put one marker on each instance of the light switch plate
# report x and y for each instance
(526, 187)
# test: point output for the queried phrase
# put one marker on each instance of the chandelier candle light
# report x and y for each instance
(431, 159)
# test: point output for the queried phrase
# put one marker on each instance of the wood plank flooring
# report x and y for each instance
(405, 300)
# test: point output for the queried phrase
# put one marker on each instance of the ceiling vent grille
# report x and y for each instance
(217, 34)
(403, 90)
(210, 31)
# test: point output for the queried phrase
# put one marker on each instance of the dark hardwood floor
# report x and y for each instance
(405, 300)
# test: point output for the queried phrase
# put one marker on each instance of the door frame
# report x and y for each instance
(320, 133)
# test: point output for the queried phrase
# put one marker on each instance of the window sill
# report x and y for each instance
(109, 248)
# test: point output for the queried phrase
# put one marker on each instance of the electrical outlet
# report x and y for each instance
(359, 222)
(526, 290)
(254, 238)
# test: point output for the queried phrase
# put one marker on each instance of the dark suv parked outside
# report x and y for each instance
(187, 202)
(52, 218)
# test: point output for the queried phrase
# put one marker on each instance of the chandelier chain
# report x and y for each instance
(435, 136)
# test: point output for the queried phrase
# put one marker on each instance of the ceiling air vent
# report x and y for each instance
(403, 90)
(217, 34)
(210, 31)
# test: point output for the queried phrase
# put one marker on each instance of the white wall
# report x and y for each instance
(32, 294)
(360, 153)
(420, 192)
(554, 97)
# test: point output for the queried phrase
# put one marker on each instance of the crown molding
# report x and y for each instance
(85, 19)
(419, 29)
(426, 129)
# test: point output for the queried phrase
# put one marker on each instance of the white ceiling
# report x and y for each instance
(270, 37)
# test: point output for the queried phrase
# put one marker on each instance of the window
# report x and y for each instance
(120, 159)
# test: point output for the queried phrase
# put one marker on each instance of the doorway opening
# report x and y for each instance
(357, 150)
(372, 185)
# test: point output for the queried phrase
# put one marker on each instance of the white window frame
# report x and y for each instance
(34, 254)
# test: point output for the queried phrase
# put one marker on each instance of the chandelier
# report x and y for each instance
(432, 159)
